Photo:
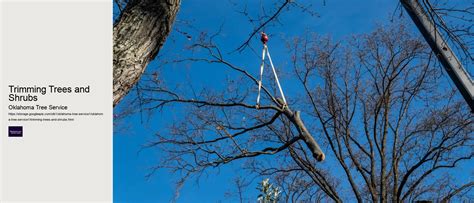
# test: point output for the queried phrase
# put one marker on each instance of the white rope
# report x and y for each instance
(276, 76)
(265, 49)
(261, 74)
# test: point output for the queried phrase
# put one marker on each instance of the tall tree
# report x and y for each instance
(375, 102)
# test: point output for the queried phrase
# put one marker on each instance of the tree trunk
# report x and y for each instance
(139, 34)
(440, 47)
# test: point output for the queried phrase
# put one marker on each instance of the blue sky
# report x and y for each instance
(338, 18)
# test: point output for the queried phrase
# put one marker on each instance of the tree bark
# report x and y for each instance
(139, 34)
(308, 139)
(440, 47)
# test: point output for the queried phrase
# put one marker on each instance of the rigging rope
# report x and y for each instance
(264, 40)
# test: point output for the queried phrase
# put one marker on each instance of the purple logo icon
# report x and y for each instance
(15, 131)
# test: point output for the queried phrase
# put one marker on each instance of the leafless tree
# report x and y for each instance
(376, 131)
(376, 103)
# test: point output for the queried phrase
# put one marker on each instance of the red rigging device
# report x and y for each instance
(264, 38)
